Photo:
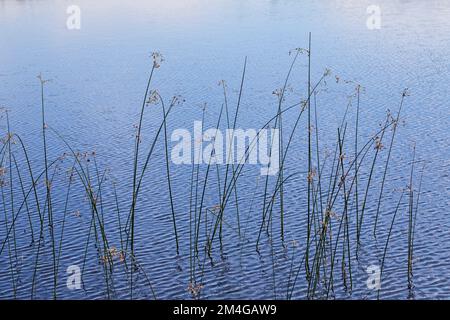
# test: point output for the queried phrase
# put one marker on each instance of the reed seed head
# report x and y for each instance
(157, 59)
(153, 98)
(194, 289)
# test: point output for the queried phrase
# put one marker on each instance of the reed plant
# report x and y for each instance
(334, 216)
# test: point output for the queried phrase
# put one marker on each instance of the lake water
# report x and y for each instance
(98, 77)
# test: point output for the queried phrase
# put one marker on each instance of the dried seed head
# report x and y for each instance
(299, 51)
(157, 59)
(311, 175)
(378, 144)
(153, 97)
(194, 289)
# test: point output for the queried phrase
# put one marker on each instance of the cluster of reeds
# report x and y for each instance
(337, 184)
(338, 191)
